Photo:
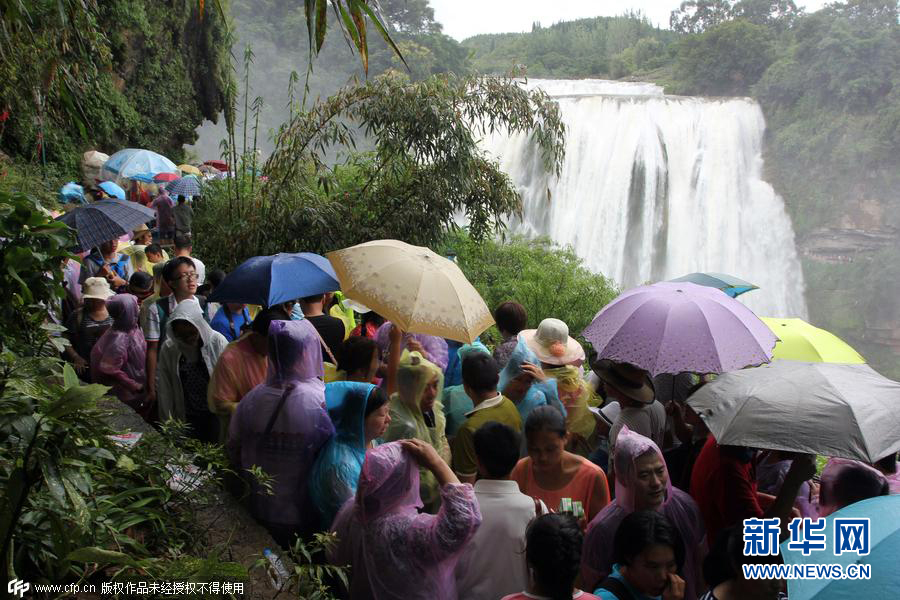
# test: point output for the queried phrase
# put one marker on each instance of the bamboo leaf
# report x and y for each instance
(93, 554)
(321, 23)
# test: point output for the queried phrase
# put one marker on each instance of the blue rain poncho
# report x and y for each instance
(539, 392)
(335, 474)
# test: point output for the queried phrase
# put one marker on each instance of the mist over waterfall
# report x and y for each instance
(654, 187)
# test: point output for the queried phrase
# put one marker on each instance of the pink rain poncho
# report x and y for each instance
(679, 508)
(118, 357)
(435, 347)
(281, 425)
(395, 552)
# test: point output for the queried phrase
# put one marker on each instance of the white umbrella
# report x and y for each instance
(831, 409)
(418, 290)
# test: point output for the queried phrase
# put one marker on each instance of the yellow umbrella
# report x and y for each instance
(189, 170)
(418, 290)
(803, 342)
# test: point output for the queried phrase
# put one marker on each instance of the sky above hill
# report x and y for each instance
(465, 18)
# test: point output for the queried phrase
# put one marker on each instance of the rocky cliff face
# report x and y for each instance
(851, 269)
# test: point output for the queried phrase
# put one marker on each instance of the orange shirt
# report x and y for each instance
(580, 488)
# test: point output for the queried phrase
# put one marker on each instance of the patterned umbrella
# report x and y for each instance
(418, 290)
(105, 220)
(186, 186)
(133, 161)
(672, 327)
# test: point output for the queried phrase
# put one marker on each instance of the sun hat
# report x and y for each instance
(141, 228)
(552, 344)
(356, 306)
(97, 288)
(631, 381)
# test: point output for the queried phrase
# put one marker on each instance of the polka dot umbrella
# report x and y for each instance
(671, 327)
(418, 290)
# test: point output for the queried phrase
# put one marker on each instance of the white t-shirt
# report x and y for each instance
(493, 562)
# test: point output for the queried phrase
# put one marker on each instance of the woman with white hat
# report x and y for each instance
(87, 324)
(561, 357)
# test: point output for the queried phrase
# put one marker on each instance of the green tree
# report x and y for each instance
(548, 280)
(426, 167)
(724, 60)
(696, 16)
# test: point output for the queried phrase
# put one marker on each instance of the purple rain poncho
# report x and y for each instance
(118, 357)
(435, 347)
(395, 552)
(335, 474)
(297, 434)
(679, 508)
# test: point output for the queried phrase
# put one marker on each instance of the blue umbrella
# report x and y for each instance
(269, 280)
(883, 514)
(112, 189)
(134, 161)
(143, 177)
(733, 286)
(105, 220)
(71, 192)
(186, 186)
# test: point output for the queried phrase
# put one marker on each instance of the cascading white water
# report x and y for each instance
(654, 187)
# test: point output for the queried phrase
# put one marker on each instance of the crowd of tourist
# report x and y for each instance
(446, 470)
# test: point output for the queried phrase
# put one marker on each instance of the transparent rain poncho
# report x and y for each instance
(678, 507)
(539, 392)
(336, 472)
(287, 446)
(395, 552)
(118, 357)
(575, 394)
(408, 420)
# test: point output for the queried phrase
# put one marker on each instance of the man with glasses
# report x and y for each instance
(180, 282)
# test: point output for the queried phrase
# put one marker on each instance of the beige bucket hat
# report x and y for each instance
(552, 344)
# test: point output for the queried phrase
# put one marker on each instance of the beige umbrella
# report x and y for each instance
(418, 290)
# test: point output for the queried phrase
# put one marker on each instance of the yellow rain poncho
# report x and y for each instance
(408, 421)
(575, 395)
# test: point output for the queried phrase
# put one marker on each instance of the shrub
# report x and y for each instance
(547, 280)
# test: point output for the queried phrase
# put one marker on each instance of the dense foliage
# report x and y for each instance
(111, 74)
(602, 46)
(74, 506)
(549, 281)
(425, 169)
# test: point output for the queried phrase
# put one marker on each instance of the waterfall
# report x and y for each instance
(654, 187)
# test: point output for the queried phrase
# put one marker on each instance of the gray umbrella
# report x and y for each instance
(849, 411)
(105, 220)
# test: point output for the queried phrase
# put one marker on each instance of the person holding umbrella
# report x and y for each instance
(723, 483)
(105, 261)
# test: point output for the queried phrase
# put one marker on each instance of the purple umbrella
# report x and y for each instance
(673, 327)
